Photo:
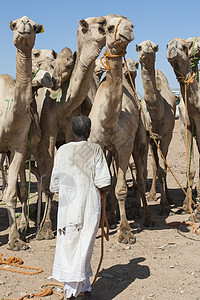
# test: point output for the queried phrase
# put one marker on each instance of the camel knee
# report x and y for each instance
(121, 192)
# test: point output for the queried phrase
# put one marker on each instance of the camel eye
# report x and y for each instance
(110, 28)
(139, 48)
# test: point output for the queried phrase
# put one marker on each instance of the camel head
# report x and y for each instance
(194, 47)
(24, 31)
(91, 37)
(41, 78)
(43, 59)
(119, 33)
(63, 66)
(177, 52)
(132, 66)
(146, 52)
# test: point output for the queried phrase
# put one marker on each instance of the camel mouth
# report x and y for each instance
(126, 38)
(24, 34)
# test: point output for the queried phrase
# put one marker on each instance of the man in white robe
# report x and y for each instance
(80, 171)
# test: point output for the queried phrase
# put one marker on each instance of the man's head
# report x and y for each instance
(81, 126)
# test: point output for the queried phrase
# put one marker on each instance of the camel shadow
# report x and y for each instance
(117, 278)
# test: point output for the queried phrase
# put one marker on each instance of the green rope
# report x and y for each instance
(29, 181)
(195, 59)
(35, 73)
(29, 184)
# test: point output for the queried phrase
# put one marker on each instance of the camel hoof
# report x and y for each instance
(126, 237)
(165, 210)
(15, 248)
(151, 197)
(149, 222)
(44, 235)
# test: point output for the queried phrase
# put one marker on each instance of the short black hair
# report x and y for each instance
(81, 126)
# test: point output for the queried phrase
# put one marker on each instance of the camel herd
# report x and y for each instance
(50, 89)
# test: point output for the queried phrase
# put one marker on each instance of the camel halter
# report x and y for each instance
(106, 54)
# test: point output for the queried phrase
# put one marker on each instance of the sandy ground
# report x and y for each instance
(163, 264)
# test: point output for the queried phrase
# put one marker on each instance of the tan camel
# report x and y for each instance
(194, 56)
(178, 57)
(115, 118)
(58, 107)
(15, 115)
(160, 103)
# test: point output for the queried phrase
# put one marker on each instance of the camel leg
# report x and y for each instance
(45, 230)
(197, 123)
(23, 197)
(2, 161)
(113, 200)
(152, 194)
(161, 173)
(141, 185)
(125, 235)
(186, 201)
(15, 242)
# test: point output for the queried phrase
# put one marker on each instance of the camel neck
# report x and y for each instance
(23, 86)
(80, 79)
(114, 91)
(152, 96)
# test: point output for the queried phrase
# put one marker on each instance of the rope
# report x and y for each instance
(105, 54)
(35, 73)
(103, 234)
(16, 262)
(45, 292)
(29, 187)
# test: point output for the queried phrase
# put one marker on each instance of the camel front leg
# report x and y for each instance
(162, 174)
(14, 243)
(190, 151)
(125, 235)
(45, 229)
(140, 164)
(23, 198)
(152, 194)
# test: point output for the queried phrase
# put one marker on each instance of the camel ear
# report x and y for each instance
(54, 54)
(190, 43)
(156, 48)
(138, 48)
(137, 65)
(12, 25)
(38, 28)
(84, 25)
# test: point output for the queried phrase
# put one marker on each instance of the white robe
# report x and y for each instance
(80, 169)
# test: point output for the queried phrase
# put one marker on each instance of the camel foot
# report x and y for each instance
(45, 232)
(151, 197)
(165, 210)
(126, 237)
(16, 244)
(148, 221)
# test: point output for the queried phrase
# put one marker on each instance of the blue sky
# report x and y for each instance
(158, 21)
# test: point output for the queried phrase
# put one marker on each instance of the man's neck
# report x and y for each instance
(80, 138)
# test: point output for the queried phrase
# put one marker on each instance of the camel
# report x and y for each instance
(194, 56)
(56, 108)
(115, 118)
(160, 103)
(15, 116)
(178, 57)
